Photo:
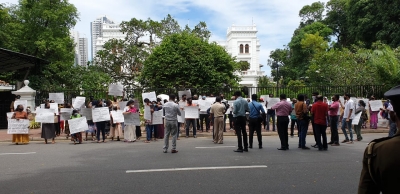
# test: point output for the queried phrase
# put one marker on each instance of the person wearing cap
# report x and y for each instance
(380, 172)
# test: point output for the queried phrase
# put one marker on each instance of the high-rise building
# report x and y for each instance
(242, 43)
(109, 31)
(96, 30)
(83, 51)
(80, 49)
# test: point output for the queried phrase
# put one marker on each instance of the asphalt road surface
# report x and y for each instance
(199, 167)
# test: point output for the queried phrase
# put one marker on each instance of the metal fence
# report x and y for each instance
(291, 92)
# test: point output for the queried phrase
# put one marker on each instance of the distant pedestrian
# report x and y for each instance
(256, 117)
(129, 130)
(171, 111)
(334, 118)
(217, 112)
(302, 120)
(347, 117)
(293, 120)
(20, 114)
(48, 129)
(240, 107)
(319, 111)
(283, 110)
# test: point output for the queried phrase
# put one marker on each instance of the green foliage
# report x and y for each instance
(264, 82)
(244, 65)
(187, 61)
(311, 13)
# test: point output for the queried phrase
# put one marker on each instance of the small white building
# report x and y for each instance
(242, 43)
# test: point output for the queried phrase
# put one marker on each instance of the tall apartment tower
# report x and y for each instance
(96, 30)
(83, 51)
(242, 43)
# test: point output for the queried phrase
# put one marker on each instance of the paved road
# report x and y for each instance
(102, 168)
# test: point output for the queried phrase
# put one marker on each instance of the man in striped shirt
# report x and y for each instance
(283, 110)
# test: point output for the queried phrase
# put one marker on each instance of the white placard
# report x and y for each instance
(211, 99)
(115, 90)
(117, 116)
(204, 105)
(64, 116)
(272, 102)
(182, 104)
(10, 115)
(376, 105)
(157, 118)
(382, 122)
(187, 92)
(44, 116)
(100, 114)
(54, 106)
(20, 126)
(42, 105)
(57, 97)
(78, 125)
(122, 105)
(191, 112)
(147, 112)
(196, 102)
(86, 112)
(132, 119)
(356, 119)
(181, 119)
(24, 103)
(78, 102)
(149, 95)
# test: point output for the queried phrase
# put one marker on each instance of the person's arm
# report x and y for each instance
(178, 110)
(275, 106)
(235, 108)
(261, 108)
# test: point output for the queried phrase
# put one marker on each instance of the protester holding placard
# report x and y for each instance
(373, 115)
(76, 137)
(66, 126)
(357, 128)
(100, 125)
(148, 106)
(129, 134)
(115, 128)
(159, 127)
(190, 120)
(20, 114)
(48, 129)
(91, 125)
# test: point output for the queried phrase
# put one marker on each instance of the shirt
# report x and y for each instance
(333, 111)
(255, 109)
(319, 111)
(240, 107)
(300, 108)
(171, 111)
(293, 113)
(347, 107)
(283, 108)
(217, 109)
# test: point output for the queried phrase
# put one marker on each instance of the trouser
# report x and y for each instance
(204, 117)
(348, 124)
(188, 122)
(138, 132)
(129, 134)
(149, 130)
(273, 121)
(179, 129)
(230, 118)
(240, 128)
(303, 127)
(334, 129)
(320, 130)
(393, 128)
(101, 128)
(58, 128)
(357, 129)
(218, 129)
(255, 126)
(171, 128)
(293, 122)
(282, 125)
(313, 129)
(224, 123)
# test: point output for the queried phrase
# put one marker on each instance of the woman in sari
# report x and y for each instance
(373, 116)
(129, 130)
(20, 114)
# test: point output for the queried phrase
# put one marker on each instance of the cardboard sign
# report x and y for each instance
(20, 126)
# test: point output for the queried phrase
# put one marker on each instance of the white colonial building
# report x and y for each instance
(243, 44)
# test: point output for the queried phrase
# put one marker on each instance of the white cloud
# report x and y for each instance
(275, 19)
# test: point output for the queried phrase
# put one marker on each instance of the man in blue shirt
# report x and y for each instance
(240, 107)
(255, 119)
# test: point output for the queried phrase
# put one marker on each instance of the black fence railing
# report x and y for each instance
(291, 92)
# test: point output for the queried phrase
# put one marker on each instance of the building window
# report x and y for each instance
(241, 48)
(246, 48)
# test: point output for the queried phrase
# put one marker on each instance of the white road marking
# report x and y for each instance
(196, 168)
(17, 153)
(215, 147)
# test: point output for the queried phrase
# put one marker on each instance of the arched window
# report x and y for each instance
(246, 48)
(241, 48)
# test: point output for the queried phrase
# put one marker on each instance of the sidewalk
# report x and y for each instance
(34, 134)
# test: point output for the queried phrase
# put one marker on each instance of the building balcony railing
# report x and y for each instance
(252, 72)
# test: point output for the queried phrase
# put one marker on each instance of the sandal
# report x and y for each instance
(146, 141)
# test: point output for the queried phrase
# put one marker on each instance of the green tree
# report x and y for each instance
(41, 29)
(244, 65)
(311, 13)
(337, 19)
(187, 61)
(264, 81)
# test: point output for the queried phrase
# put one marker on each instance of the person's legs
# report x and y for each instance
(324, 139)
(292, 124)
(168, 126)
(230, 118)
(244, 133)
(357, 130)
(273, 122)
(285, 132)
(259, 136)
(187, 127)
(344, 123)
(224, 123)
(194, 127)
(238, 125)
(350, 130)
(318, 133)
(201, 120)
(280, 131)
(267, 121)
(148, 132)
(218, 124)
(392, 129)
(252, 123)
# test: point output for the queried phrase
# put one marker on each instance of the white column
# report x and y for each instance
(28, 94)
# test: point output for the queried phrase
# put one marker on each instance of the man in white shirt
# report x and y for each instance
(347, 117)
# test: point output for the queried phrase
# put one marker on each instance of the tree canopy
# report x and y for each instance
(188, 61)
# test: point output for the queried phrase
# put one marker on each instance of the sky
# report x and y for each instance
(276, 20)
